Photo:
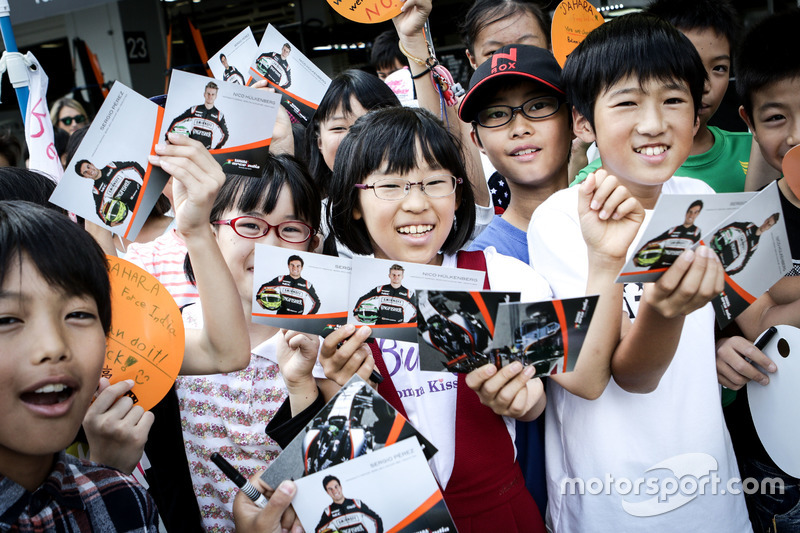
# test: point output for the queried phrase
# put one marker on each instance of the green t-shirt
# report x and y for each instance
(723, 167)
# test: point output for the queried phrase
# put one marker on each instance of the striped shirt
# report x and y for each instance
(163, 258)
(78, 496)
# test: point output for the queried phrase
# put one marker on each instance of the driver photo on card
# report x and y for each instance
(204, 123)
(289, 294)
(388, 304)
(115, 189)
(275, 66)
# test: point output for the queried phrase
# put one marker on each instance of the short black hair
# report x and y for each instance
(367, 89)
(640, 45)
(79, 164)
(485, 12)
(247, 194)
(717, 15)
(695, 204)
(386, 50)
(328, 479)
(391, 136)
(221, 56)
(64, 254)
(26, 185)
(296, 258)
(773, 59)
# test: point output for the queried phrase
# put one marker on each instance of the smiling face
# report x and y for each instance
(295, 269)
(527, 152)
(691, 215)
(644, 132)
(90, 171)
(715, 52)
(239, 253)
(413, 228)
(519, 28)
(776, 119)
(334, 490)
(333, 129)
(52, 347)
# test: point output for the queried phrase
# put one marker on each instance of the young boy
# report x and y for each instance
(718, 157)
(768, 83)
(55, 312)
(636, 85)
(519, 118)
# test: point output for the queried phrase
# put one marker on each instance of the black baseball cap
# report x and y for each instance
(520, 60)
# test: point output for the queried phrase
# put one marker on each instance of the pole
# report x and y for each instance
(17, 71)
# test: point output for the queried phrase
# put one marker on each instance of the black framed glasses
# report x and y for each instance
(437, 186)
(535, 108)
(292, 231)
(67, 121)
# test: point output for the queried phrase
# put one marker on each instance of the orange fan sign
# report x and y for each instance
(367, 11)
(572, 22)
(146, 340)
(791, 170)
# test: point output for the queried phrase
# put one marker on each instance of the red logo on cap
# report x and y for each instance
(511, 57)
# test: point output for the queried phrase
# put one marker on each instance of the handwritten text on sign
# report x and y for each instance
(146, 340)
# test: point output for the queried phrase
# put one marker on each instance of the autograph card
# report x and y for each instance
(678, 222)
(382, 293)
(302, 291)
(356, 421)
(390, 490)
(299, 82)
(753, 246)
(231, 62)
(463, 331)
(110, 182)
(234, 122)
(455, 328)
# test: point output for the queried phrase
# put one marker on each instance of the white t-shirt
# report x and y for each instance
(623, 437)
(429, 397)
(163, 258)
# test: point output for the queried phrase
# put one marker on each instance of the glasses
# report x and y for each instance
(67, 121)
(292, 231)
(535, 108)
(397, 188)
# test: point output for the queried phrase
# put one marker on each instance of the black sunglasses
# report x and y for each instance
(67, 121)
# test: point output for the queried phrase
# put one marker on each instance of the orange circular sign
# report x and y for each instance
(367, 11)
(791, 170)
(146, 340)
(572, 22)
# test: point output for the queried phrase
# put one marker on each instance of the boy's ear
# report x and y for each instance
(748, 121)
(476, 140)
(581, 127)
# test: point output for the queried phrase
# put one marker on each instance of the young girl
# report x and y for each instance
(228, 413)
(475, 463)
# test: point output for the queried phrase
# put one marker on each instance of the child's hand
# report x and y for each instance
(352, 357)
(198, 178)
(282, 136)
(610, 216)
(410, 21)
(276, 517)
(509, 391)
(297, 355)
(733, 368)
(115, 428)
(693, 280)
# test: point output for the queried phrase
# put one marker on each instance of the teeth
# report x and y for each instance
(411, 230)
(53, 387)
(651, 150)
(528, 151)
